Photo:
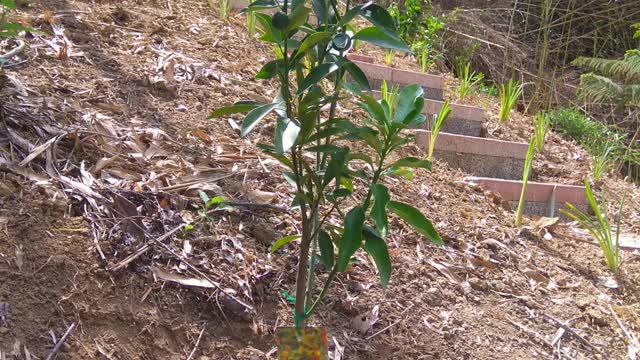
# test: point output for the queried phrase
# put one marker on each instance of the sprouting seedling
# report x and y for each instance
(251, 24)
(438, 122)
(541, 124)
(603, 162)
(388, 57)
(528, 165)
(468, 80)
(225, 9)
(425, 62)
(390, 96)
(600, 228)
(509, 95)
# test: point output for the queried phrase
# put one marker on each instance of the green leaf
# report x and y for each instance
(379, 210)
(335, 166)
(351, 238)
(414, 217)
(377, 37)
(412, 162)
(324, 148)
(215, 201)
(286, 135)
(311, 41)
(254, 116)
(407, 102)
(350, 15)
(379, 17)
(375, 110)
(240, 106)
(320, 9)
(316, 75)
(9, 4)
(188, 228)
(298, 17)
(399, 171)
(358, 75)
(375, 246)
(271, 34)
(203, 196)
(284, 241)
(270, 69)
(288, 297)
(326, 249)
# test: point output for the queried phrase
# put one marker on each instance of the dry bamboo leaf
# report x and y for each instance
(183, 280)
(38, 150)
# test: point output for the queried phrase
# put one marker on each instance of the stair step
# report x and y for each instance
(538, 196)
(432, 84)
(478, 156)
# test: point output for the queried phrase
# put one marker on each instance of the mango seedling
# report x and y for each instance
(316, 147)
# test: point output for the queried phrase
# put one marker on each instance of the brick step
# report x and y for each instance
(478, 156)
(538, 197)
(432, 84)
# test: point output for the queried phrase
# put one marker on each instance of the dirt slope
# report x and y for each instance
(127, 87)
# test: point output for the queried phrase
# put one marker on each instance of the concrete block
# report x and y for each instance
(478, 156)
(463, 120)
(538, 196)
(432, 84)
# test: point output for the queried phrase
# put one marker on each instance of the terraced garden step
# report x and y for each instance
(539, 195)
(463, 120)
(478, 156)
(432, 84)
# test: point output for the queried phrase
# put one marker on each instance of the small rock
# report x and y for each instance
(433, 296)
(477, 284)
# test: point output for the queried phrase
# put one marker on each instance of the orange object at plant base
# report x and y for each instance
(304, 344)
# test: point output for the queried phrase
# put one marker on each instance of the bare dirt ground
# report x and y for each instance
(124, 90)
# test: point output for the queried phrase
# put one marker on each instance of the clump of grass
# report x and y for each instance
(438, 122)
(528, 165)
(509, 95)
(603, 162)
(600, 228)
(468, 80)
(251, 24)
(541, 124)
(225, 9)
(389, 95)
(389, 55)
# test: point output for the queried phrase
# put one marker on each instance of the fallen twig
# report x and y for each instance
(391, 325)
(142, 250)
(195, 347)
(17, 50)
(254, 205)
(64, 337)
(538, 337)
(572, 332)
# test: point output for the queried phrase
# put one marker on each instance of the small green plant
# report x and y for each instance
(425, 60)
(603, 162)
(9, 29)
(388, 57)
(528, 165)
(324, 168)
(390, 96)
(600, 229)
(225, 9)
(509, 95)
(468, 80)
(541, 124)
(438, 123)
(251, 24)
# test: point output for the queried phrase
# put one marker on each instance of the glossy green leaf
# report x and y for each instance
(203, 197)
(351, 14)
(316, 75)
(311, 41)
(239, 107)
(375, 110)
(412, 162)
(358, 75)
(298, 17)
(351, 238)
(271, 34)
(399, 171)
(377, 37)
(416, 219)
(320, 10)
(254, 116)
(9, 4)
(326, 249)
(286, 135)
(335, 166)
(270, 69)
(379, 17)
(407, 102)
(379, 210)
(284, 241)
(375, 246)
